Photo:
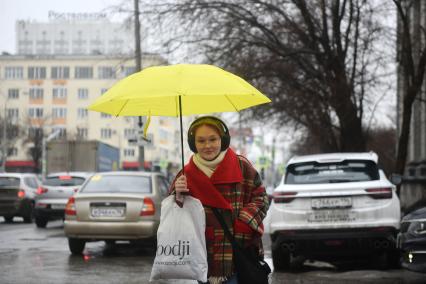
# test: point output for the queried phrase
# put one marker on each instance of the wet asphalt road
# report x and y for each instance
(32, 255)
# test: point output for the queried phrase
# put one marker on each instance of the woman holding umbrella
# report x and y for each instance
(221, 179)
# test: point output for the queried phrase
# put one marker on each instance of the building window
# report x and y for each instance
(14, 72)
(60, 72)
(59, 112)
(106, 72)
(163, 134)
(12, 114)
(105, 115)
(13, 93)
(129, 152)
(82, 113)
(103, 91)
(164, 153)
(129, 71)
(59, 93)
(35, 112)
(36, 72)
(62, 132)
(83, 72)
(82, 133)
(129, 132)
(83, 94)
(36, 93)
(12, 132)
(12, 151)
(35, 132)
(106, 133)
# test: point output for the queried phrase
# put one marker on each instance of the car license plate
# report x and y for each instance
(332, 202)
(57, 206)
(327, 216)
(107, 212)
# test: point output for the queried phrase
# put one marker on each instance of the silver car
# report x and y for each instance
(52, 197)
(115, 206)
(17, 191)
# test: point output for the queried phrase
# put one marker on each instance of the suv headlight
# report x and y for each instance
(417, 228)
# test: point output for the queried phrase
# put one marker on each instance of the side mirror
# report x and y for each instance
(396, 179)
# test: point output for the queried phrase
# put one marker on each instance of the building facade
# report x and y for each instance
(51, 92)
(413, 190)
(73, 33)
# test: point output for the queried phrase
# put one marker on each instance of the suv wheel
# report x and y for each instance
(29, 214)
(380, 260)
(41, 222)
(386, 260)
(76, 245)
(394, 259)
(8, 219)
(281, 259)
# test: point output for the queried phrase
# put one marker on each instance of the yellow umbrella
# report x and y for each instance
(176, 90)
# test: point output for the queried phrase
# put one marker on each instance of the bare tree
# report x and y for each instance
(317, 60)
(382, 141)
(10, 133)
(33, 135)
(412, 64)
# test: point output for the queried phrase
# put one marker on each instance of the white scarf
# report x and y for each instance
(208, 167)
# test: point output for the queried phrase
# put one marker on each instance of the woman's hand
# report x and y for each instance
(181, 188)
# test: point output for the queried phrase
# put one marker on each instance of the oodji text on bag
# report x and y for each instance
(180, 249)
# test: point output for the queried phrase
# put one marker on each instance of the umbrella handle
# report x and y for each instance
(181, 135)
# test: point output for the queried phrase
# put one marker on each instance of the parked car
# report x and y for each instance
(17, 193)
(115, 206)
(54, 193)
(334, 207)
(412, 240)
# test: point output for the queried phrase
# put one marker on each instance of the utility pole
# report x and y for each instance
(138, 52)
(138, 59)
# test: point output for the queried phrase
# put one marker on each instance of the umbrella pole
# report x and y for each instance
(181, 134)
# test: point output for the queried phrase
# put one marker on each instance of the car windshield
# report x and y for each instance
(9, 181)
(64, 180)
(345, 171)
(118, 183)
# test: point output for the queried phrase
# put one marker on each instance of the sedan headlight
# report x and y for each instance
(417, 228)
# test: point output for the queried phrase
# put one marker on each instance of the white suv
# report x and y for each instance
(335, 207)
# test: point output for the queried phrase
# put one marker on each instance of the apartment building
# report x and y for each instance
(413, 190)
(73, 33)
(51, 92)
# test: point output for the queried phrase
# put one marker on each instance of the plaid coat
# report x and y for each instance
(235, 188)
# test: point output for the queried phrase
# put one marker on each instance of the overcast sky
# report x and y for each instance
(13, 10)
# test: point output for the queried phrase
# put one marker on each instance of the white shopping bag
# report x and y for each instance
(181, 244)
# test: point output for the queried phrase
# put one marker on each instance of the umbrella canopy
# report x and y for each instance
(156, 91)
(176, 90)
